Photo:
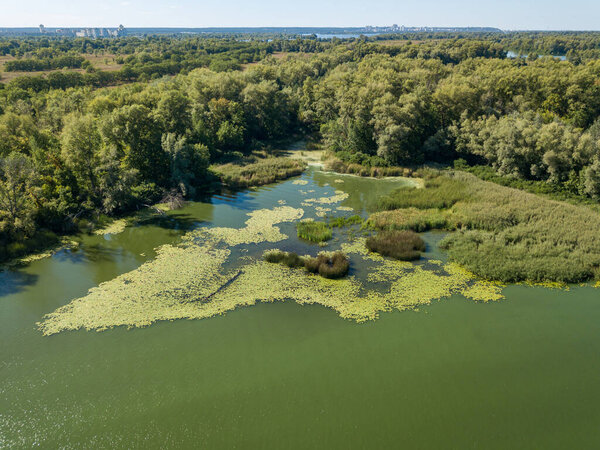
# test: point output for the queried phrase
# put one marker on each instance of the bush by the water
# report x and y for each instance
(289, 259)
(314, 231)
(402, 245)
(328, 265)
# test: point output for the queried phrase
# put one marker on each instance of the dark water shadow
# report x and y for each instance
(176, 222)
(88, 253)
(244, 200)
(13, 282)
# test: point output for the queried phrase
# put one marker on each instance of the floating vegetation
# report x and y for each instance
(64, 244)
(300, 182)
(338, 180)
(281, 202)
(115, 227)
(190, 282)
(171, 286)
(338, 197)
(321, 211)
(259, 227)
(314, 231)
(344, 208)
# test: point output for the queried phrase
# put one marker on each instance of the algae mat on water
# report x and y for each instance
(192, 281)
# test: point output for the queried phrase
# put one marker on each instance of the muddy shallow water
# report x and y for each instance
(522, 372)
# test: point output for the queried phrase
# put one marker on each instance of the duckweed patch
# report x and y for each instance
(338, 197)
(260, 227)
(115, 227)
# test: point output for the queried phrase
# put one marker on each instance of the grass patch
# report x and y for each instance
(418, 220)
(335, 164)
(401, 245)
(438, 193)
(314, 231)
(502, 233)
(341, 222)
(257, 172)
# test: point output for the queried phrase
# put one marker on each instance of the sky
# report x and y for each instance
(508, 14)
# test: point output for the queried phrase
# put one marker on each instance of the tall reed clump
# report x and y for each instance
(402, 245)
(503, 233)
(439, 192)
(314, 231)
(328, 265)
(257, 173)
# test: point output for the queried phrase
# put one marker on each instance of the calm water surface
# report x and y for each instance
(520, 373)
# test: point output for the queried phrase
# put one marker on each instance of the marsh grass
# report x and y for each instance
(314, 231)
(257, 172)
(411, 219)
(334, 164)
(502, 233)
(439, 193)
(401, 245)
(328, 265)
(289, 259)
(341, 222)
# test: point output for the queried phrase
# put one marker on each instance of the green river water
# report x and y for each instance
(523, 372)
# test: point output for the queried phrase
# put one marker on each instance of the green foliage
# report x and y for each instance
(402, 245)
(342, 221)
(439, 193)
(328, 265)
(414, 219)
(314, 231)
(262, 171)
(505, 234)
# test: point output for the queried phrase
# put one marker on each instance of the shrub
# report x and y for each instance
(314, 231)
(287, 258)
(402, 245)
(328, 265)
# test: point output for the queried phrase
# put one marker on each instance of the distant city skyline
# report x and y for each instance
(507, 15)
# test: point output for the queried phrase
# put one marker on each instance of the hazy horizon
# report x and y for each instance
(550, 15)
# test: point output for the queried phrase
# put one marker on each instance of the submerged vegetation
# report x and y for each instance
(402, 245)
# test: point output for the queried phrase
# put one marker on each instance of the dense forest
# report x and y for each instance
(75, 145)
